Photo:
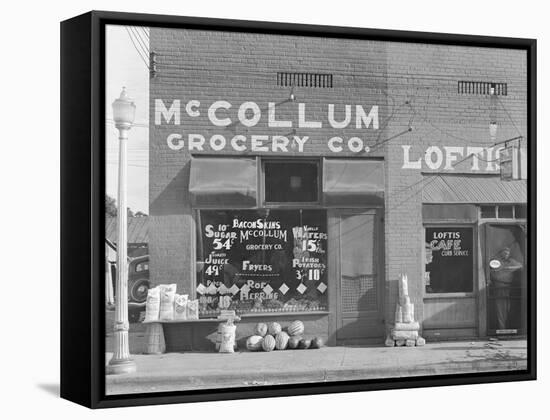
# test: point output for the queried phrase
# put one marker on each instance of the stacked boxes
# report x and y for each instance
(405, 331)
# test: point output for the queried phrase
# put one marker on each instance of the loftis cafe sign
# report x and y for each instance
(226, 115)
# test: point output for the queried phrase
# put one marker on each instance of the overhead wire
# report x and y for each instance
(145, 31)
(378, 144)
(176, 76)
(143, 41)
(136, 47)
(140, 125)
(420, 190)
(129, 164)
(267, 70)
(509, 116)
(142, 44)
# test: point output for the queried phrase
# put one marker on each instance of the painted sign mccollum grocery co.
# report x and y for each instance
(357, 117)
(249, 114)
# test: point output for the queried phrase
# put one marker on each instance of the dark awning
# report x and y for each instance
(223, 182)
(450, 188)
(353, 182)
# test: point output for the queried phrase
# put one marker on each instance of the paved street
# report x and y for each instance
(184, 371)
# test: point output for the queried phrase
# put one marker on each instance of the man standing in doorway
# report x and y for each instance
(503, 269)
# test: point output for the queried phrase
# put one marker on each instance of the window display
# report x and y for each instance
(261, 260)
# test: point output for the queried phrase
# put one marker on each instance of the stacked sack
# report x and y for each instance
(272, 337)
(228, 332)
(406, 330)
(165, 305)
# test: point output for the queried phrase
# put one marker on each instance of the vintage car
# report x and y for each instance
(138, 279)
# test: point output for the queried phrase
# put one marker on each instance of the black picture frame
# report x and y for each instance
(82, 208)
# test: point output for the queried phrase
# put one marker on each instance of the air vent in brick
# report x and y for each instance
(313, 80)
(482, 88)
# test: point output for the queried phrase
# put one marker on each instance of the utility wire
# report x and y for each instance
(136, 48)
(400, 203)
(378, 145)
(129, 164)
(141, 125)
(145, 31)
(140, 41)
(426, 76)
(143, 39)
(509, 116)
(143, 46)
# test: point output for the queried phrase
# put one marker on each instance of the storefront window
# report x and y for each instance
(488, 212)
(505, 212)
(291, 182)
(261, 260)
(449, 265)
(520, 211)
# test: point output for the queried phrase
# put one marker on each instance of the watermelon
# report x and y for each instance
(268, 343)
(317, 343)
(281, 341)
(304, 343)
(293, 342)
(296, 328)
(254, 342)
(274, 328)
(260, 329)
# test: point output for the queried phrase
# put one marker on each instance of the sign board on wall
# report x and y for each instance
(449, 259)
(290, 135)
(513, 163)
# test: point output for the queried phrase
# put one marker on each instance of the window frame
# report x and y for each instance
(497, 212)
(289, 204)
(196, 232)
(475, 279)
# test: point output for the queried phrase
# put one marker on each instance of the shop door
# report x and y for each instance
(358, 295)
(505, 259)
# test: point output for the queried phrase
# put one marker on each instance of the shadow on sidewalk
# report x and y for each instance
(52, 389)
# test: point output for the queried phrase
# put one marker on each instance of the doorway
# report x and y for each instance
(504, 263)
(357, 294)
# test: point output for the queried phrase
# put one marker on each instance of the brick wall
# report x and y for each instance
(426, 77)
(413, 85)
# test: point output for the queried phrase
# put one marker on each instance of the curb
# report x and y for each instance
(140, 383)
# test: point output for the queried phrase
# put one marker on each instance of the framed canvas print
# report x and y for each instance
(256, 209)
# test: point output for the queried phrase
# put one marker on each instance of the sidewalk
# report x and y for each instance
(185, 371)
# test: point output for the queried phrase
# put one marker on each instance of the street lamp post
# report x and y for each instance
(124, 111)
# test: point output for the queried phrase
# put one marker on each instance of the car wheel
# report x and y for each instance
(138, 290)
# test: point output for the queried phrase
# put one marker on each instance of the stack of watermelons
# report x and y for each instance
(272, 337)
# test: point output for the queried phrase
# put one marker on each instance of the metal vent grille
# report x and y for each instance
(313, 80)
(482, 88)
(359, 293)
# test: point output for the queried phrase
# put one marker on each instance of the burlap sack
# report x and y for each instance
(152, 306)
(180, 307)
(193, 309)
(228, 338)
(167, 296)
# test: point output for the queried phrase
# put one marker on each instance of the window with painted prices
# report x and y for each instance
(265, 260)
